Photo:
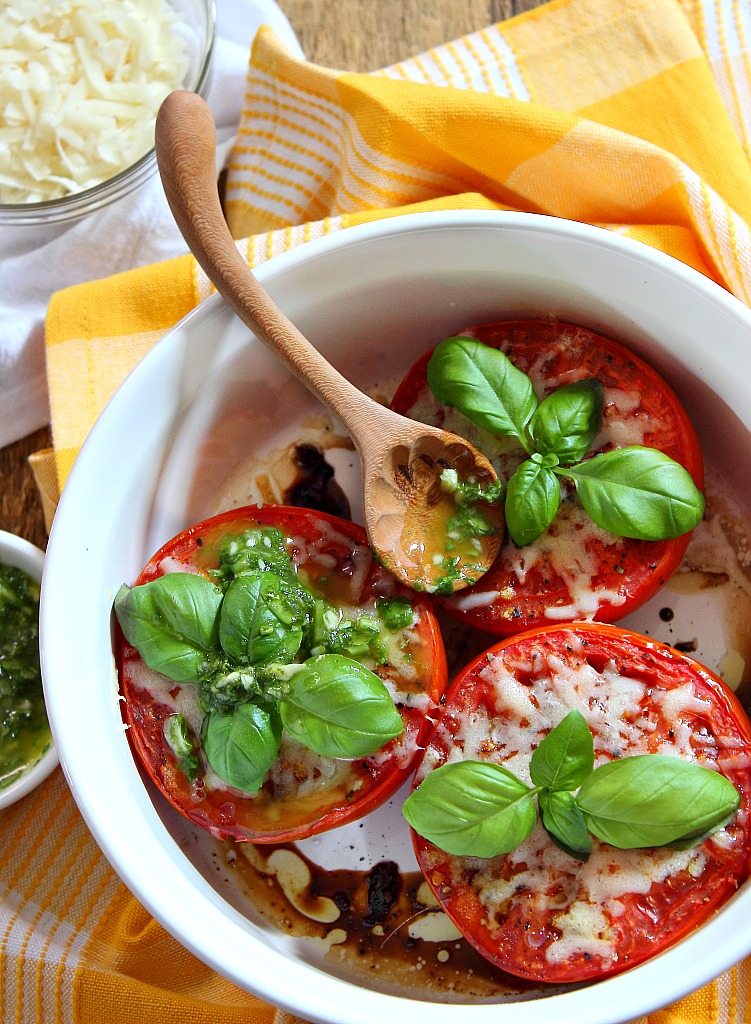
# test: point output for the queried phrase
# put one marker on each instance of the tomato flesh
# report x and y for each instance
(303, 797)
(542, 583)
(519, 909)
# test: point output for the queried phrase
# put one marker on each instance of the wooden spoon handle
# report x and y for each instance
(186, 155)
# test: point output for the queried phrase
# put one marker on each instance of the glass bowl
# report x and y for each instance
(196, 23)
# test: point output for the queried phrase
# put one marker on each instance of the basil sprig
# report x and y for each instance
(480, 809)
(635, 492)
(266, 654)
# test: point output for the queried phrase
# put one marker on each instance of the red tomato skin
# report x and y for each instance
(229, 814)
(636, 570)
(651, 922)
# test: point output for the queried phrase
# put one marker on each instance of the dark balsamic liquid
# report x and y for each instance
(314, 485)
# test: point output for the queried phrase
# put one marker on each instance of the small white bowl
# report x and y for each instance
(24, 555)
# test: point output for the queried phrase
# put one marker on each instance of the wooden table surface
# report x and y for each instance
(357, 35)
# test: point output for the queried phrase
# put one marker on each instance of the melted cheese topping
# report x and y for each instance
(80, 85)
(301, 772)
(620, 713)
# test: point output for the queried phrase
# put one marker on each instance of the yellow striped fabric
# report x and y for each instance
(77, 948)
(634, 115)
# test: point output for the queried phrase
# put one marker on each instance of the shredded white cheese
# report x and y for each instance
(299, 772)
(584, 929)
(80, 85)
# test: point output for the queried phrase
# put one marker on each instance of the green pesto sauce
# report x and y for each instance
(24, 730)
(464, 528)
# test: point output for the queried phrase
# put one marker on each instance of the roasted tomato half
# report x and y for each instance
(574, 570)
(335, 598)
(539, 912)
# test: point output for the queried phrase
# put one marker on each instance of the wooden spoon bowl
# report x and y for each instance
(407, 512)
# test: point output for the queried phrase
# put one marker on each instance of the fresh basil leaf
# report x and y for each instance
(243, 745)
(654, 800)
(638, 492)
(472, 809)
(339, 708)
(693, 839)
(483, 384)
(566, 756)
(533, 495)
(173, 622)
(258, 624)
(564, 822)
(566, 422)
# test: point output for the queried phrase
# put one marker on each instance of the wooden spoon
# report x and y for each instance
(406, 509)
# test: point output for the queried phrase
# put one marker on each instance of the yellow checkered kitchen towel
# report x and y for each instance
(634, 115)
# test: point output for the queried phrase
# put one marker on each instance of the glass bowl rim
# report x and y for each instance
(51, 211)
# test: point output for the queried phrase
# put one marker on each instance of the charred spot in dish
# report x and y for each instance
(384, 885)
(314, 486)
(686, 646)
